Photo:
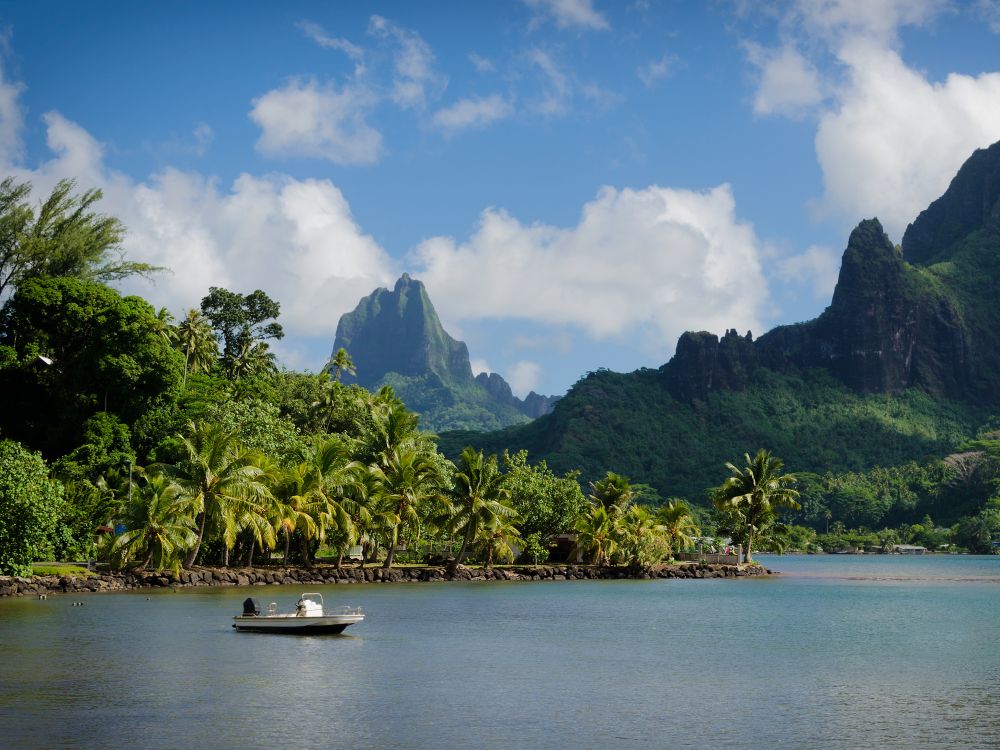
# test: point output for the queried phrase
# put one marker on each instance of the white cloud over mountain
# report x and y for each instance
(658, 258)
(888, 138)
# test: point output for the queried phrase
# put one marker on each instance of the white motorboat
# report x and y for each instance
(309, 617)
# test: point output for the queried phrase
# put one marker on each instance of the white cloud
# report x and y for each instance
(989, 11)
(480, 366)
(657, 258)
(817, 267)
(307, 119)
(655, 70)
(11, 118)
(888, 140)
(416, 79)
(482, 64)
(319, 35)
(876, 20)
(295, 239)
(523, 377)
(789, 84)
(557, 89)
(895, 140)
(203, 137)
(569, 14)
(473, 113)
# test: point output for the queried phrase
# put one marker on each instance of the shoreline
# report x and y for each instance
(326, 575)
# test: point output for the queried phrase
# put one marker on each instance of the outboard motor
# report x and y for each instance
(250, 608)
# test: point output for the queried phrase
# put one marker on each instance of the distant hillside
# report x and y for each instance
(903, 364)
(396, 338)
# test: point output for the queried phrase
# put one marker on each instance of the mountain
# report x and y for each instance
(396, 338)
(903, 364)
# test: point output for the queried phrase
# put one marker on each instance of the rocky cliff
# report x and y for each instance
(395, 337)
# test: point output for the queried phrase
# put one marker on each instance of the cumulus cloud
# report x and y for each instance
(523, 377)
(789, 84)
(888, 138)
(655, 259)
(305, 118)
(578, 14)
(895, 140)
(817, 267)
(479, 366)
(474, 112)
(295, 239)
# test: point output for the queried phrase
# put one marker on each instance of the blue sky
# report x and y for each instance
(576, 181)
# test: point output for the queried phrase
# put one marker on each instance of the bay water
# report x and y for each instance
(836, 652)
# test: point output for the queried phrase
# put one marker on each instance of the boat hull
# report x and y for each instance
(296, 625)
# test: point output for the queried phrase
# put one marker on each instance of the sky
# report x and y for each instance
(576, 182)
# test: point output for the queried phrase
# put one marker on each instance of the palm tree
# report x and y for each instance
(596, 535)
(640, 536)
(753, 493)
(405, 480)
(339, 363)
(220, 478)
(195, 337)
(499, 535)
(160, 525)
(613, 493)
(251, 359)
(479, 498)
(678, 524)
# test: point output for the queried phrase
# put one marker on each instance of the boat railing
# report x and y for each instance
(344, 609)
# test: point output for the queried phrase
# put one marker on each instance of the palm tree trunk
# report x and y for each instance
(340, 558)
(225, 554)
(288, 541)
(253, 544)
(470, 531)
(305, 551)
(389, 555)
(193, 554)
(749, 544)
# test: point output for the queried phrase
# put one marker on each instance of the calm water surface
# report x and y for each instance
(838, 652)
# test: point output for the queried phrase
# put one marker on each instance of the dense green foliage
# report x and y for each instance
(29, 508)
(631, 422)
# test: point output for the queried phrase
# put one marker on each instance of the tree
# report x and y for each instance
(479, 498)
(596, 535)
(614, 492)
(405, 480)
(249, 359)
(752, 494)
(640, 537)
(341, 362)
(241, 319)
(679, 525)
(159, 525)
(29, 507)
(80, 348)
(194, 337)
(64, 238)
(546, 504)
(220, 479)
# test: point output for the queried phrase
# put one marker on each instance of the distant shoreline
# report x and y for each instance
(223, 577)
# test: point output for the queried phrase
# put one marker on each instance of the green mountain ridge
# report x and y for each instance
(396, 338)
(904, 364)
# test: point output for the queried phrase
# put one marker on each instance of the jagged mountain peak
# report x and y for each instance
(396, 337)
(971, 203)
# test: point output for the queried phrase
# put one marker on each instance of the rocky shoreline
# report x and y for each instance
(52, 584)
